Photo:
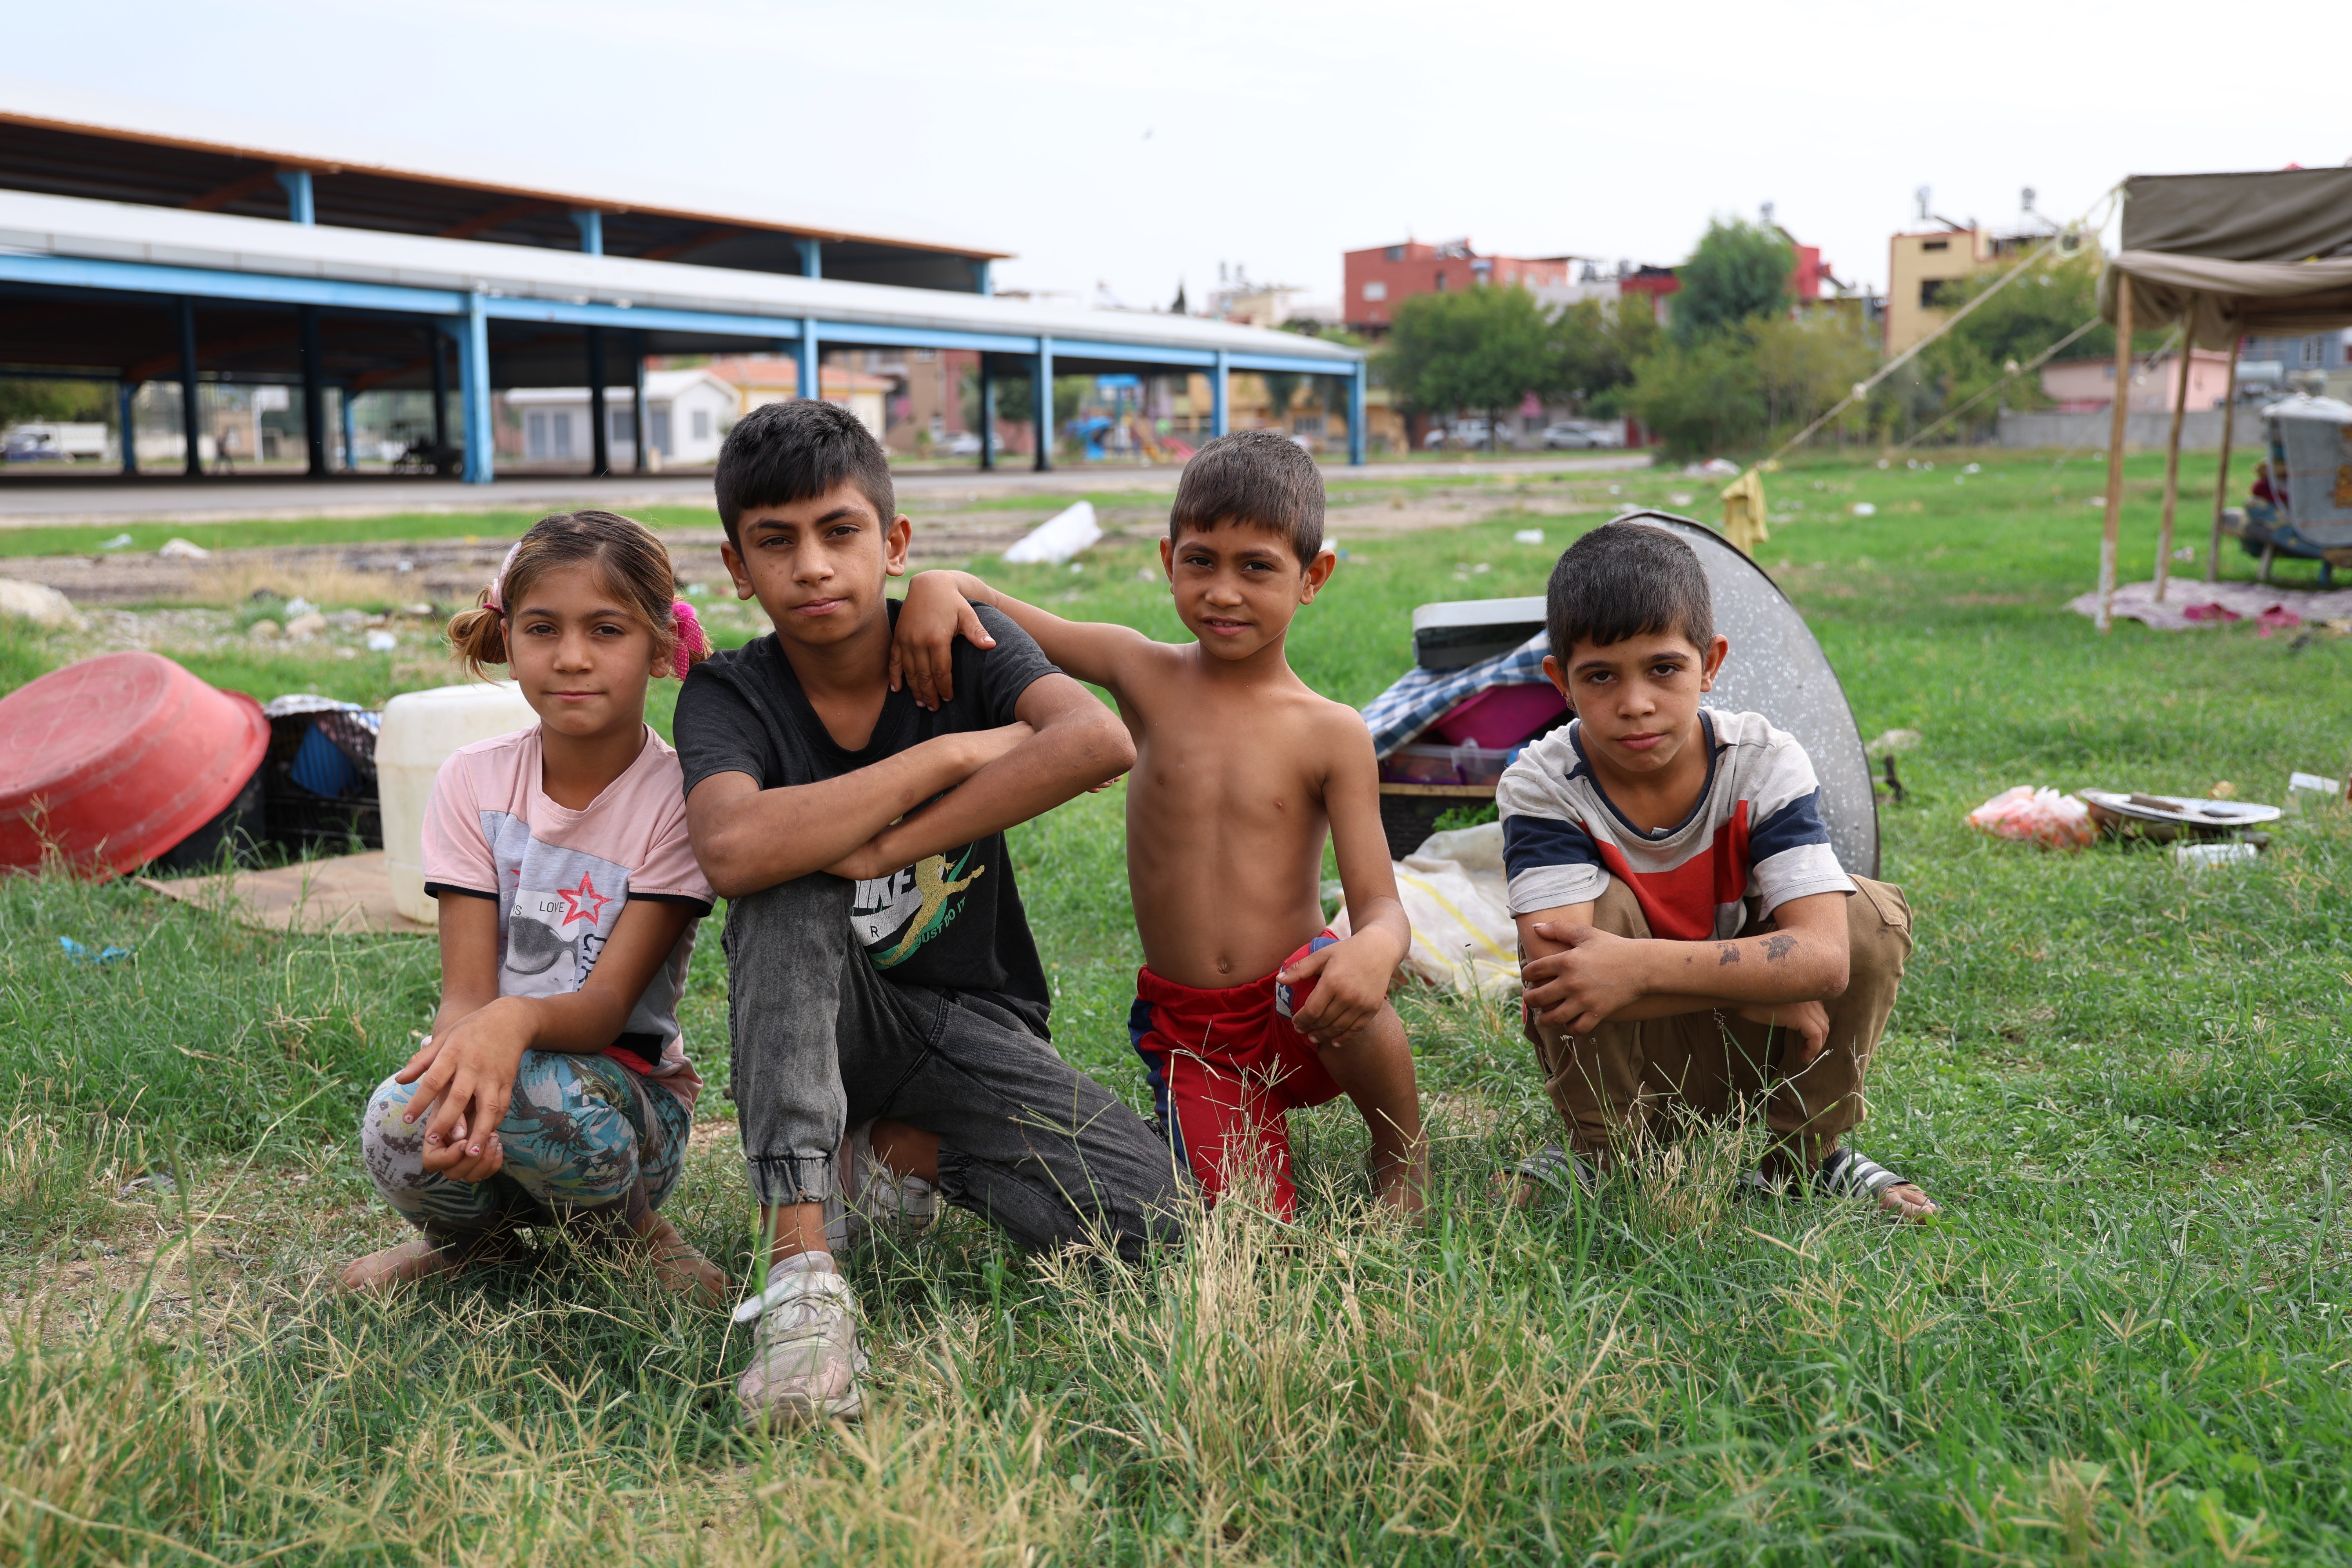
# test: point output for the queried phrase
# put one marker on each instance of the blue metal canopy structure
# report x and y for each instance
(110, 269)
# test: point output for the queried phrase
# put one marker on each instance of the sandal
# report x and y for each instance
(1554, 1168)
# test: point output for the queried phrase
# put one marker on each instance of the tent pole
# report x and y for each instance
(2106, 621)
(2221, 474)
(2172, 453)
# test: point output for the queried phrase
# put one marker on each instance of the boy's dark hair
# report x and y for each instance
(1627, 580)
(783, 452)
(1261, 478)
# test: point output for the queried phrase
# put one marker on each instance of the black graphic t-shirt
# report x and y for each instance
(950, 922)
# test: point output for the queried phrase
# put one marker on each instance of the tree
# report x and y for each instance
(2014, 327)
(1013, 400)
(1700, 397)
(1804, 367)
(1483, 348)
(1593, 349)
(1739, 272)
(86, 402)
(1281, 389)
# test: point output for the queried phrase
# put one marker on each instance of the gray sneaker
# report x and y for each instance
(868, 1196)
(805, 1357)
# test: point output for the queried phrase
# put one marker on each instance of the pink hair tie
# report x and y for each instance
(691, 639)
(496, 601)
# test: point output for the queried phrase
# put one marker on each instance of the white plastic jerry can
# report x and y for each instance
(421, 729)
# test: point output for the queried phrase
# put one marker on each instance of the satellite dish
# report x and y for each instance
(1776, 667)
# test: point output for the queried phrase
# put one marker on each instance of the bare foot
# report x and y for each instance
(416, 1259)
(681, 1269)
(1520, 1192)
(1403, 1183)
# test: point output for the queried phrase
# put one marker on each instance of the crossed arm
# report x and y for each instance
(465, 1070)
(871, 821)
(1578, 977)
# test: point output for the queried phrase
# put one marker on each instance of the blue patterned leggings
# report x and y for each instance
(585, 1138)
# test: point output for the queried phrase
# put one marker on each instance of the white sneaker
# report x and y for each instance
(869, 1197)
(805, 1358)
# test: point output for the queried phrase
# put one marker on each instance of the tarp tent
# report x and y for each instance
(1775, 667)
(2226, 256)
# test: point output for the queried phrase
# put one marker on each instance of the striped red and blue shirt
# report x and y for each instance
(1755, 833)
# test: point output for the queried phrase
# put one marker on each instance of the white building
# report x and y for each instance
(688, 413)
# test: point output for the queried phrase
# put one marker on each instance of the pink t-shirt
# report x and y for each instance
(561, 877)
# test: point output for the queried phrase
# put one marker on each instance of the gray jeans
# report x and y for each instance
(823, 1041)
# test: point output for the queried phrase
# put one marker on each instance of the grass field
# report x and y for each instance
(2130, 1085)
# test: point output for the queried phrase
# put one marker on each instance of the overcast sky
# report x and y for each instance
(1131, 147)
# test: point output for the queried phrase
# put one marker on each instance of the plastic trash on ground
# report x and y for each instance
(2315, 789)
(1057, 538)
(2034, 816)
(1459, 906)
(2196, 857)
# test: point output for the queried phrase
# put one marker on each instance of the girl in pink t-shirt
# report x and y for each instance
(554, 1087)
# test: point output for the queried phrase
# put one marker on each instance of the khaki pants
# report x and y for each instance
(1627, 1082)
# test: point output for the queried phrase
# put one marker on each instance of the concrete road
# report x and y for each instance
(46, 502)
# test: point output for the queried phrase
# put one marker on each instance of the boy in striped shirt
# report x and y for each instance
(1688, 940)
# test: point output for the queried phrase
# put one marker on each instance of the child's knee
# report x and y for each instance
(393, 1148)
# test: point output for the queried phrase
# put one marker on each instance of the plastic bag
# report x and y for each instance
(2036, 817)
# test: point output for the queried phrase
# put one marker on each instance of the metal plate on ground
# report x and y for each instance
(1776, 667)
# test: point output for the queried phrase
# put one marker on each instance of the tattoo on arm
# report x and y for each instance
(1778, 946)
(1727, 954)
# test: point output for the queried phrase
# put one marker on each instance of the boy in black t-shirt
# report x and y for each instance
(881, 973)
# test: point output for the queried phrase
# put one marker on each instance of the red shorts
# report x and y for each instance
(1224, 1066)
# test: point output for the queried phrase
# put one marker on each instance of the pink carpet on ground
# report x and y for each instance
(2185, 603)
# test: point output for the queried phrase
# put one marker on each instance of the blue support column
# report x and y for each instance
(474, 390)
(300, 207)
(126, 403)
(987, 415)
(1356, 415)
(1219, 376)
(1040, 387)
(637, 434)
(590, 225)
(982, 281)
(599, 427)
(810, 382)
(314, 389)
(191, 423)
(351, 436)
(437, 353)
(812, 263)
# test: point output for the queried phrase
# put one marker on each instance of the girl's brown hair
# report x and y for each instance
(628, 560)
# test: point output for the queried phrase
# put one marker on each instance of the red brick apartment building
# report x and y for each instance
(1381, 277)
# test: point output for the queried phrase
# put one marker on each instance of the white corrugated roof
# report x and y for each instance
(123, 231)
(253, 136)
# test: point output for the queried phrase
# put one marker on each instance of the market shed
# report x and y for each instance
(2226, 257)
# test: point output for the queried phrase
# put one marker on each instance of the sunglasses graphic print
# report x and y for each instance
(532, 947)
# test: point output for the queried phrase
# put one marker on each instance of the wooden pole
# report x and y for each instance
(2172, 454)
(2107, 620)
(2221, 474)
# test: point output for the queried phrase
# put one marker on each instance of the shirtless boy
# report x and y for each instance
(1247, 1006)
(1690, 941)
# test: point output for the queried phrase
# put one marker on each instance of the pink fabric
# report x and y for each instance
(562, 877)
(691, 639)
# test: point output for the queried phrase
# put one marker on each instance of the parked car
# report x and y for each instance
(1582, 434)
(965, 444)
(1461, 436)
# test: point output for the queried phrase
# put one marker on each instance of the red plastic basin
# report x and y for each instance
(117, 759)
(1499, 717)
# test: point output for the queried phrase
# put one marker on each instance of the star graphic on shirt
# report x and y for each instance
(582, 903)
